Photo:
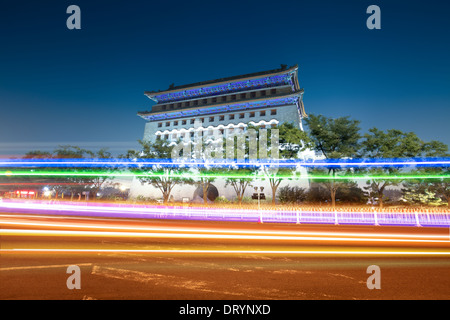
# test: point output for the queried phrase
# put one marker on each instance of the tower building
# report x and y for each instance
(227, 106)
(261, 99)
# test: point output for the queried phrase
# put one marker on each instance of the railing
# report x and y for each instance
(273, 215)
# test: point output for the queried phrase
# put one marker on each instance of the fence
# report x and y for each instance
(340, 216)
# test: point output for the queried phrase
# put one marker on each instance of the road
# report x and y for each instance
(175, 259)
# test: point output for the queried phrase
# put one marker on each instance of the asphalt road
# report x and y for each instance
(198, 260)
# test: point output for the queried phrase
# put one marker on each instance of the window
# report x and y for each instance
(230, 130)
(252, 114)
(187, 104)
(205, 101)
(192, 121)
(263, 93)
(221, 131)
(273, 112)
(159, 124)
(243, 95)
(262, 113)
(195, 102)
(175, 123)
(253, 94)
(211, 119)
(224, 98)
(164, 107)
(174, 136)
(158, 137)
(273, 91)
(231, 117)
(202, 120)
(192, 134)
(171, 107)
(233, 97)
(221, 118)
(166, 136)
(167, 124)
(183, 122)
(179, 105)
(214, 100)
(241, 115)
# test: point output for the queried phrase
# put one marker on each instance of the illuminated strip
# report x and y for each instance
(215, 230)
(186, 175)
(278, 162)
(24, 232)
(189, 251)
(281, 216)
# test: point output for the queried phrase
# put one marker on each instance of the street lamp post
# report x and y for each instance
(259, 196)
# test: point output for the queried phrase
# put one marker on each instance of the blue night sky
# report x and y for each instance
(84, 87)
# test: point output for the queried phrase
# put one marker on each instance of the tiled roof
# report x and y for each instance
(203, 83)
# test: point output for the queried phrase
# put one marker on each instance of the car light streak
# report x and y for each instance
(438, 219)
(369, 162)
(222, 231)
(71, 233)
(227, 252)
(187, 174)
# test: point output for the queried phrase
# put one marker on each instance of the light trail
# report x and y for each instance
(438, 219)
(187, 175)
(227, 252)
(223, 231)
(176, 235)
(369, 162)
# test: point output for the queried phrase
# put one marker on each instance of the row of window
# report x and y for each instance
(220, 118)
(233, 97)
(210, 132)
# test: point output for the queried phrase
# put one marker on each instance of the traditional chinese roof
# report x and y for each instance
(223, 107)
(235, 84)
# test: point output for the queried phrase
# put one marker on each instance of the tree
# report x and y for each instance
(434, 186)
(418, 193)
(98, 181)
(75, 181)
(292, 140)
(390, 145)
(241, 182)
(294, 194)
(162, 177)
(334, 139)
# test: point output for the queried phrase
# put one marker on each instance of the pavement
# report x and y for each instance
(124, 259)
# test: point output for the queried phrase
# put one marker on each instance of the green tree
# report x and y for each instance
(240, 181)
(292, 140)
(288, 194)
(334, 139)
(390, 145)
(162, 177)
(435, 185)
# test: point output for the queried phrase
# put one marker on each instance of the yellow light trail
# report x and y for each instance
(71, 233)
(190, 251)
(227, 231)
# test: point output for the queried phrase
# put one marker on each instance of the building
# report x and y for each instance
(224, 105)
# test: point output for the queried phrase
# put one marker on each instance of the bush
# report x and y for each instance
(221, 199)
(289, 194)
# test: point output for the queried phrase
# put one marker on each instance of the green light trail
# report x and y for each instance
(193, 175)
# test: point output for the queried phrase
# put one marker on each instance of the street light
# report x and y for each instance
(259, 196)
